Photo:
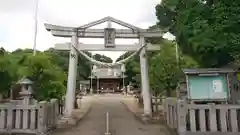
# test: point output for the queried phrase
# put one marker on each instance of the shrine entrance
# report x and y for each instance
(109, 34)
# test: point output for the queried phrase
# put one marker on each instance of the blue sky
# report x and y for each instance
(17, 19)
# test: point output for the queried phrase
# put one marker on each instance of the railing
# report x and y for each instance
(211, 119)
(170, 112)
(52, 113)
(20, 102)
(30, 119)
(157, 103)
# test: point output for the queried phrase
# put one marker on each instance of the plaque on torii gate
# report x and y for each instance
(109, 35)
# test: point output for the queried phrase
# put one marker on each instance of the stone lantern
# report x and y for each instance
(26, 90)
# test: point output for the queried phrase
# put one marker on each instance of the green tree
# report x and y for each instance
(48, 78)
(132, 68)
(206, 30)
(102, 58)
(5, 75)
(48, 70)
(164, 71)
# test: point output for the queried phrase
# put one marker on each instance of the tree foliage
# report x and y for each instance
(207, 30)
(164, 71)
(132, 68)
(48, 78)
(5, 74)
(102, 58)
(48, 70)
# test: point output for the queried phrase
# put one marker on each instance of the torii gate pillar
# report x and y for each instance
(72, 74)
(144, 79)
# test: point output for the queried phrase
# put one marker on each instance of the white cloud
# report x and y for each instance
(17, 18)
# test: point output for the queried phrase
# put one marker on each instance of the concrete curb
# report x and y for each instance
(77, 120)
(138, 116)
(85, 114)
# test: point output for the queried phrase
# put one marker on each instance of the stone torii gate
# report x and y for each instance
(109, 34)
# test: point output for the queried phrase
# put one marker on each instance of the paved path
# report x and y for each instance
(122, 122)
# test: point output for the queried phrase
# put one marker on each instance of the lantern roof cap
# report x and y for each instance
(25, 80)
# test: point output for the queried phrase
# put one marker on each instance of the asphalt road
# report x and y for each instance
(122, 122)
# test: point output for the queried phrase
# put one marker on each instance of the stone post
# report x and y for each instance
(42, 117)
(79, 98)
(128, 89)
(144, 79)
(72, 74)
(181, 117)
(54, 109)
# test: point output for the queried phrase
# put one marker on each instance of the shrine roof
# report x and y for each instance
(207, 70)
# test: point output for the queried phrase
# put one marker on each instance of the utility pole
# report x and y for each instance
(177, 53)
(35, 28)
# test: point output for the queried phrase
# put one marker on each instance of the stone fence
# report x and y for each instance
(30, 119)
(202, 119)
(157, 103)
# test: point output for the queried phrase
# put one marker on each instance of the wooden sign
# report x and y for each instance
(109, 37)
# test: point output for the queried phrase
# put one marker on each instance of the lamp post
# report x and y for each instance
(94, 68)
(123, 71)
(97, 84)
(91, 89)
(91, 78)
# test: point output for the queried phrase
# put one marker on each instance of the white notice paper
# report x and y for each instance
(217, 86)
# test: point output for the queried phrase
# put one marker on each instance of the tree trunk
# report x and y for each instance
(168, 93)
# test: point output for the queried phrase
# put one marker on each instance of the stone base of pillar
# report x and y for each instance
(146, 118)
(66, 122)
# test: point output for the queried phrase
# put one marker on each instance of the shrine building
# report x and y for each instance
(106, 79)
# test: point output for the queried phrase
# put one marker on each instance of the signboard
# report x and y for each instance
(109, 37)
(207, 87)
